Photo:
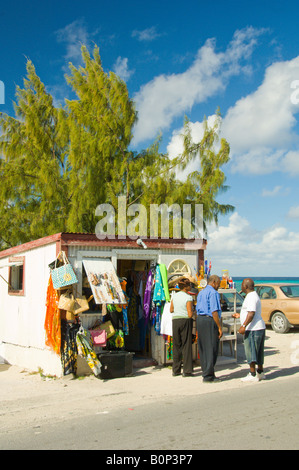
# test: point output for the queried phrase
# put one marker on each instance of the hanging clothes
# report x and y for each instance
(83, 342)
(52, 323)
(163, 271)
(69, 352)
(159, 295)
(147, 298)
(166, 321)
(169, 348)
(133, 308)
(158, 299)
(125, 315)
(142, 332)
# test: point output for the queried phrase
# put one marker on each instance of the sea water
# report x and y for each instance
(270, 280)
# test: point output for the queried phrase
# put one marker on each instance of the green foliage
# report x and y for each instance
(203, 185)
(58, 164)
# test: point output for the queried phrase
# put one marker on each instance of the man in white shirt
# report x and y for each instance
(253, 327)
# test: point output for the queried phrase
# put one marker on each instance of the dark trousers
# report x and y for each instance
(208, 344)
(182, 345)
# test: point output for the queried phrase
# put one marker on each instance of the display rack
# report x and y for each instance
(230, 336)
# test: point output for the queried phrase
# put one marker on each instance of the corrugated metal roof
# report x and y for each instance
(84, 238)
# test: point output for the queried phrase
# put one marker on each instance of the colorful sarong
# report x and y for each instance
(69, 350)
(83, 342)
(52, 319)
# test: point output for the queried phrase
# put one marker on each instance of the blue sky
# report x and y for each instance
(188, 58)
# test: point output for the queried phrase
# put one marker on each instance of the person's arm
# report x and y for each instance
(189, 308)
(216, 310)
(217, 321)
(171, 307)
(248, 320)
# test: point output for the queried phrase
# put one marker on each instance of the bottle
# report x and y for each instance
(230, 283)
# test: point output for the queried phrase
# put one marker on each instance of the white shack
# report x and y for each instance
(24, 277)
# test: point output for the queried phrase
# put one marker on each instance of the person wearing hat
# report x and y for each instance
(181, 309)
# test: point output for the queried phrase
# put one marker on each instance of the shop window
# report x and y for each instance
(178, 267)
(16, 275)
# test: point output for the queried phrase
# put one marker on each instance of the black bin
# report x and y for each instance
(115, 364)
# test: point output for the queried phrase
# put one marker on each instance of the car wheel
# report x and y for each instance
(279, 323)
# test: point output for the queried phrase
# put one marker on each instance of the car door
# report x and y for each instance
(268, 299)
(290, 303)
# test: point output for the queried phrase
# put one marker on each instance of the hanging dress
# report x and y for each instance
(147, 298)
(158, 298)
(69, 352)
(52, 323)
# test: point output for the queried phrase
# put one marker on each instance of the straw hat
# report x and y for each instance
(173, 280)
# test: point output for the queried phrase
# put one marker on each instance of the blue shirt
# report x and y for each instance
(208, 301)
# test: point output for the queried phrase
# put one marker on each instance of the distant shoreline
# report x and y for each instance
(265, 279)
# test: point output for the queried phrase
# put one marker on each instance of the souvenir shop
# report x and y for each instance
(100, 300)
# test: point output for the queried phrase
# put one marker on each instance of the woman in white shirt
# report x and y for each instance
(181, 309)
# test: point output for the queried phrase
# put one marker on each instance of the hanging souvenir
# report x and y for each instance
(84, 345)
(64, 275)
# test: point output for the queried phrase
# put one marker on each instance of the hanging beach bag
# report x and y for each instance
(108, 327)
(81, 304)
(63, 276)
(99, 337)
(67, 301)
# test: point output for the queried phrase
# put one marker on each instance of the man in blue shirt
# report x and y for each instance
(209, 330)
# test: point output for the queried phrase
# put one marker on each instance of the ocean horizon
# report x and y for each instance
(287, 279)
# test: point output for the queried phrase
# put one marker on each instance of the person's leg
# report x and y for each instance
(215, 343)
(260, 345)
(186, 338)
(176, 347)
(200, 342)
(254, 352)
(205, 329)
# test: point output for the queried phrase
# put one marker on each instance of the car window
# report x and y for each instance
(227, 301)
(266, 292)
(290, 291)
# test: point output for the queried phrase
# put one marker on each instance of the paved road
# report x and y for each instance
(257, 416)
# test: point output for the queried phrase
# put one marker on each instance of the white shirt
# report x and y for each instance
(252, 303)
(179, 301)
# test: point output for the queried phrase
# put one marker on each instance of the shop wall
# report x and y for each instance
(22, 317)
(158, 347)
(165, 256)
(190, 256)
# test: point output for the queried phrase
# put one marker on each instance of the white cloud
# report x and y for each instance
(176, 145)
(290, 162)
(261, 126)
(121, 68)
(271, 192)
(294, 212)
(168, 96)
(248, 252)
(148, 34)
(74, 35)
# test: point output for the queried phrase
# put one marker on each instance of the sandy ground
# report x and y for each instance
(28, 398)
